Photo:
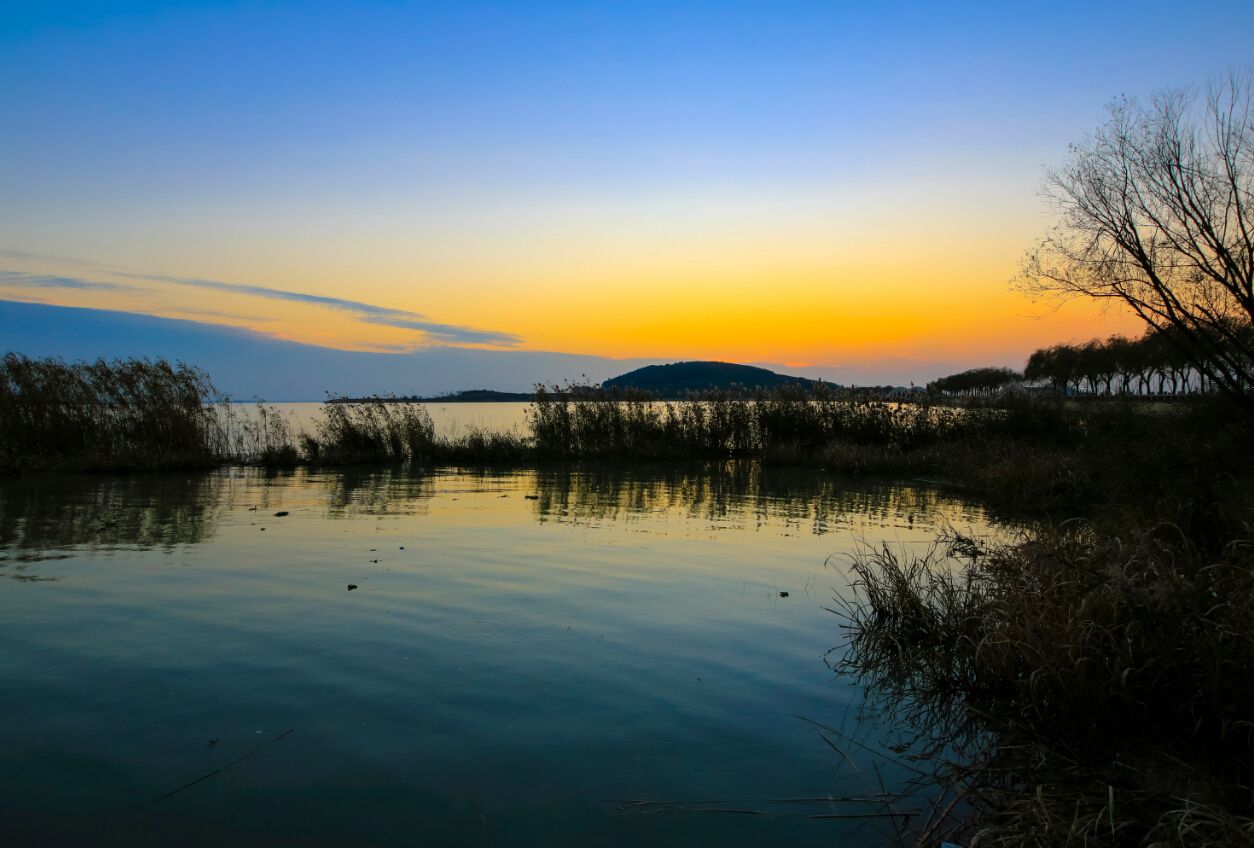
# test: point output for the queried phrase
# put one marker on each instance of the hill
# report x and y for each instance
(682, 378)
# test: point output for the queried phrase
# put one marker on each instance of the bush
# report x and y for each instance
(1077, 688)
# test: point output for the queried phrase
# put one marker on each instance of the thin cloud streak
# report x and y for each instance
(21, 279)
(367, 312)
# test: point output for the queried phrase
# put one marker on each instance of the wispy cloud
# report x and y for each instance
(452, 334)
(21, 279)
(367, 312)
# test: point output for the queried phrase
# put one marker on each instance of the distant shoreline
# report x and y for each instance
(471, 396)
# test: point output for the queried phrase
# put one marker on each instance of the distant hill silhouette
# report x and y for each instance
(682, 378)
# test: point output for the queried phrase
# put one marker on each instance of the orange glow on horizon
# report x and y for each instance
(821, 284)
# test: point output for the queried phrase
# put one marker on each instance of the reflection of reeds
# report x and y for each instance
(1078, 689)
(45, 512)
(735, 490)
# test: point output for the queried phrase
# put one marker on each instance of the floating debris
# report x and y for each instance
(223, 768)
(352, 586)
(783, 594)
(532, 497)
(281, 513)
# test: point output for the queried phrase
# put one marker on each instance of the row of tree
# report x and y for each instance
(1156, 211)
(1158, 363)
(975, 381)
(1154, 364)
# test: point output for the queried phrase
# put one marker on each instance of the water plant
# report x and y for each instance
(135, 411)
(1076, 688)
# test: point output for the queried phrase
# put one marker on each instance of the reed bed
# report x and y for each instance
(122, 412)
(1076, 688)
(602, 424)
(394, 431)
(1018, 451)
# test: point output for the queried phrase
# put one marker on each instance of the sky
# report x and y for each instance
(829, 188)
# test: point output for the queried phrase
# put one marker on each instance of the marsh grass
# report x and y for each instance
(394, 431)
(371, 431)
(256, 434)
(120, 412)
(594, 423)
(1076, 688)
(1018, 451)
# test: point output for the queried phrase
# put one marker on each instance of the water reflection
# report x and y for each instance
(64, 512)
(527, 654)
(740, 494)
(44, 512)
(50, 517)
(385, 491)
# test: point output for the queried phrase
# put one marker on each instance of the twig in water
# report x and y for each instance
(225, 767)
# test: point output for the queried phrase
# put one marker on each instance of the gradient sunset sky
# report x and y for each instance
(792, 183)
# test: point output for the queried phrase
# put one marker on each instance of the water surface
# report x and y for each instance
(526, 657)
(450, 419)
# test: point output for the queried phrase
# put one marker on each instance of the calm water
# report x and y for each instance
(526, 654)
(450, 419)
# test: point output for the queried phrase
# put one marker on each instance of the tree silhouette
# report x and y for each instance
(1157, 212)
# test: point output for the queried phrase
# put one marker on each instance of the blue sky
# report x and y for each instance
(593, 178)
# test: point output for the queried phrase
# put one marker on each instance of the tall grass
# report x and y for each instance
(371, 431)
(1019, 451)
(399, 432)
(1077, 688)
(256, 434)
(134, 411)
(602, 424)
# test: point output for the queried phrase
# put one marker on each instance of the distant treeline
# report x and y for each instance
(1157, 364)
(466, 396)
(974, 381)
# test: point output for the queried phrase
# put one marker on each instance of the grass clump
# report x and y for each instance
(1018, 451)
(382, 430)
(257, 435)
(105, 413)
(594, 423)
(1077, 688)
(392, 431)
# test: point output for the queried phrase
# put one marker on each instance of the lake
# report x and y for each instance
(596, 655)
(450, 419)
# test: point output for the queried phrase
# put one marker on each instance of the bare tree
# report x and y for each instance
(1157, 211)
